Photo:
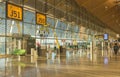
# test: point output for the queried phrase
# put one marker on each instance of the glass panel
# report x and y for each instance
(9, 47)
(51, 42)
(76, 29)
(2, 10)
(82, 29)
(70, 27)
(14, 26)
(58, 25)
(29, 17)
(58, 33)
(73, 35)
(2, 45)
(29, 29)
(38, 30)
(2, 27)
(61, 25)
(87, 31)
(50, 22)
(68, 34)
(51, 33)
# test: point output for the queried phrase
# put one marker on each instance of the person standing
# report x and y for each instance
(38, 48)
(116, 48)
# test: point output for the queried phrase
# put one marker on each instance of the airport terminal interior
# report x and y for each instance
(59, 38)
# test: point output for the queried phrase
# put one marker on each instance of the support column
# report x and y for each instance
(102, 48)
(91, 51)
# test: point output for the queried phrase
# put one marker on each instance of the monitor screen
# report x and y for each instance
(105, 36)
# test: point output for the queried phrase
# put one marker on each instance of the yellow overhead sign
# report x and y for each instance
(40, 19)
(14, 12)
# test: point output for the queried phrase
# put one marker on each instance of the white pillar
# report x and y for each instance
(102, 48)
(91, 51)
(32, 55)
(7, 51)
(19, 44)
(14, 41)
(19, 70)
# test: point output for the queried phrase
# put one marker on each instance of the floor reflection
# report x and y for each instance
(74, 63)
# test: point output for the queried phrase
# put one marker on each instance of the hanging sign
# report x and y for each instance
(14, 11)
(106, 36)
(40, 19)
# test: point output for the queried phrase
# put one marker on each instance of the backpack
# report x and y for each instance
(116, 47)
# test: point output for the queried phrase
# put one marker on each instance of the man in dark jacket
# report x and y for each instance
(116, 48)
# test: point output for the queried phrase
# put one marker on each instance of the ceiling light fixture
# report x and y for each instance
(1, 0)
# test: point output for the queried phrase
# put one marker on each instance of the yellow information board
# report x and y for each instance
(14, 12)
(40, 19)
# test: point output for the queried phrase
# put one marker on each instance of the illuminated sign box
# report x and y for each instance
(14, 11)
(105, 36)
(40, 19)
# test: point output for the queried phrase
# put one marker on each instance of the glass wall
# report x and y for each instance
(2, 28)
(13, 27)
(13, 31)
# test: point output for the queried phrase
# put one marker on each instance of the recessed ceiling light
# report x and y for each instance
(1, 0)
(113, 15)
(106, 7)
(116, 21)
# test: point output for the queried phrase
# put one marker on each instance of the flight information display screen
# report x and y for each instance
(105, 36)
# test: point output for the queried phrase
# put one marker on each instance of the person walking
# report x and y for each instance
(116, 48)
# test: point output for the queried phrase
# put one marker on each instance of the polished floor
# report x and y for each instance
(74, 65)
